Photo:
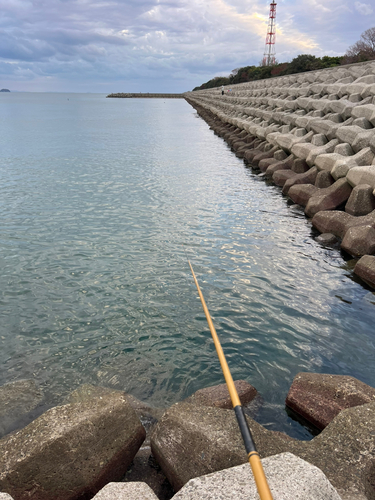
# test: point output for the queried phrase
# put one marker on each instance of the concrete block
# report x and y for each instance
(308, 177)
(356, 136)
(327, 148)
(71, 450)
(329, 198)
(344, 149)
(365, 269)
(280, 155)
(324, 179)
(326, 127)
(301, 193)
(327, 161)
(363, 123)
(359, 240)
(266, 162)
(366, 111)
(289, 478)
(218, 395)
(319, 140)
(361, 201)
(302, 150)
(125, 491)
(372, 144)
(319, 397)
(281, 176)
(286, 141)
(344, 164)
(300, 166)
(326, 239)
(332, 221)
(362, 175)
(5, 496)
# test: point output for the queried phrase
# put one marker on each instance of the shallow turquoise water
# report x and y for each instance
(101, 202)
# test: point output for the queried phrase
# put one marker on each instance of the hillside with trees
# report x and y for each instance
(363, 50)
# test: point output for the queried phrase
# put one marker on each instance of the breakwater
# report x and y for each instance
(99, 435)
(146, 95)
(313, 135)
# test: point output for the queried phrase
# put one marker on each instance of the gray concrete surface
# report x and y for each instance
(289, 478)
(125, 491)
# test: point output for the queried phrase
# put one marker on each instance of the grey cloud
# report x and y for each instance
(139, 42)
(363, 8)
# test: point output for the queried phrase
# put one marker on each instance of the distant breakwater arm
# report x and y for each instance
(313, 134)
(148, 96)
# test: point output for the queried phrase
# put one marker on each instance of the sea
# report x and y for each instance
(102, 204)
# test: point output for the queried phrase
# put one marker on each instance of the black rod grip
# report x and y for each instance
(244, 428)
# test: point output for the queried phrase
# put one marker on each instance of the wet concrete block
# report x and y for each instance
(365, 269)
(359, 240)
(301, 193)
(329, 198)
(319, 397)
(361, 201)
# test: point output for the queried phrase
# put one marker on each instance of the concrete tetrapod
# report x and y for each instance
(71, 451)
(191, 441)
(365, 269)
(319, 397)
(290, 478)
(126, 491)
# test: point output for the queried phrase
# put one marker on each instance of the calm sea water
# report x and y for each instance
(101, 202)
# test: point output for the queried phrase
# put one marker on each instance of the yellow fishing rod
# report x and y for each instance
(252, 454)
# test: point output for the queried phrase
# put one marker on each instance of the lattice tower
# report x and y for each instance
(270, 51)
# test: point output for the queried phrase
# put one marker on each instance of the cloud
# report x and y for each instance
(86, 44)
(363, 8)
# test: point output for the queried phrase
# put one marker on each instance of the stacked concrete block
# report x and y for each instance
(312, 133)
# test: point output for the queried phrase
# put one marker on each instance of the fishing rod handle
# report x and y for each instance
(253, 456)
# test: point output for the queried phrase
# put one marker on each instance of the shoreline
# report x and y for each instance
(312, 134)
(112, 437)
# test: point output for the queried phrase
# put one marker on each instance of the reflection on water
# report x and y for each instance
(101, 203)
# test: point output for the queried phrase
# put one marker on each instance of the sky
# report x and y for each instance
(161, 45)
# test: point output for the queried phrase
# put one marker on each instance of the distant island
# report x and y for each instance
(4, 90)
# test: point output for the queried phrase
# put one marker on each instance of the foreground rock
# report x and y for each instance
(126, 491)
(319, 397)
(71, 451)
(365, 269)
(147, 415)
(143, 467)
(289, 478)
(328, 198)
(218, 395)
(17, 400)
(191, 441)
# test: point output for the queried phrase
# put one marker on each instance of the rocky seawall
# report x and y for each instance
(313, 135)
(105, 444)
(147, 96)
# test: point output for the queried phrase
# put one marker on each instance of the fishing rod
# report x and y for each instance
(252, 454)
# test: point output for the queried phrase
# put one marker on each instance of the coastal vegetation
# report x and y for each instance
(363, 50)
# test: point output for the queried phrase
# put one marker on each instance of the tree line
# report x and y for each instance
(361, 51)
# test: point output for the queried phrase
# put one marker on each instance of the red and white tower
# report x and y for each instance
(270, 52)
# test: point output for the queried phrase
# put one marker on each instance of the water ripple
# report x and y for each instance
(101, 203)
